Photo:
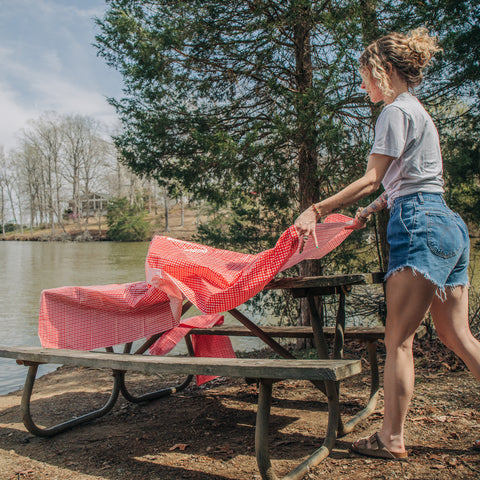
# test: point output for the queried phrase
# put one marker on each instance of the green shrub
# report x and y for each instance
(126, 223)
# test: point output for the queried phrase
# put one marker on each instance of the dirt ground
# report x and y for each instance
(207, 433)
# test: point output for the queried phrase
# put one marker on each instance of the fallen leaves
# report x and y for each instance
(23, 473)
(179, 446)
(444, 461)
(223, 450)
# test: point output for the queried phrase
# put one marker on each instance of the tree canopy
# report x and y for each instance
(257, 101)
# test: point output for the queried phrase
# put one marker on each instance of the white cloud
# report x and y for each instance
(48, 63)
(13, 117)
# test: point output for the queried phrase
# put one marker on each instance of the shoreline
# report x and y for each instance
(59, 237)
(97, 230)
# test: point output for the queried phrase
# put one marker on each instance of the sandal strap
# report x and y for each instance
(381, 445)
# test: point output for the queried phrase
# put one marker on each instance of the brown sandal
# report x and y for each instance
(377, 449)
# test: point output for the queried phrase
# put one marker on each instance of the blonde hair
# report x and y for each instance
(409, 54)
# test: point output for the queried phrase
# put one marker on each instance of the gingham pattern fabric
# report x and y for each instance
(218, 280)
(169, 339)
(216, 346)
(85, 318)
(214, 280)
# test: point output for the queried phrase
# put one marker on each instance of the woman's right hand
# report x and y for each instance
(305, 225)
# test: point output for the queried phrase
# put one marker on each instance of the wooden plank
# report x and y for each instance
(226, 367)
(317, 291)
(325, 281)
(358, 333)
(288, 332)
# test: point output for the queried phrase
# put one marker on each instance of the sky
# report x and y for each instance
(48, 63)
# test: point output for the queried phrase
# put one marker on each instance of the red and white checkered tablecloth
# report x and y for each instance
(214, 280)
(85, 318)
(216, 346)
(218, 280)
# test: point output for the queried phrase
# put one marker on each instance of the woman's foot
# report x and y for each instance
(374, 447)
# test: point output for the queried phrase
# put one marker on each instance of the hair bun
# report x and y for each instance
(409, 54)
(422, 47)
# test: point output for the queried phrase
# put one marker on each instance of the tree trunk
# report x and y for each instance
(20, 210)
(182, 211)
(308, 187)
(100, 223)
(165, 200)
(370, 31)
(12, 204)
(2, 209)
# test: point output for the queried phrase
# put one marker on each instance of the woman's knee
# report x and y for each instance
(399, 343)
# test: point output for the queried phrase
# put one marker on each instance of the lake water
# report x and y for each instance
(27, 268)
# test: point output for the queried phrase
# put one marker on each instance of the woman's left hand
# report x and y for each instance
(359, 221)
(305, 225)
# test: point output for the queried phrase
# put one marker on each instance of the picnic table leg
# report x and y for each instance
(158, 393)
(339, 343)
(261, 433)
(152, 395)
(61, 427)
(274, 345)
(340, 327)
(322, 347)
(141, 350)
(318, 338)
(374, 391)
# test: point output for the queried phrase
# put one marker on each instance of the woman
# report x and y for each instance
(429, 244)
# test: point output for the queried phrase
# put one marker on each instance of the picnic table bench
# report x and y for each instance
(266, 371)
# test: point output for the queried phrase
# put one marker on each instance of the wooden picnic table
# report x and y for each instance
(264, 371)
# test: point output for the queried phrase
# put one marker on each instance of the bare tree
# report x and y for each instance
(19, 185)
(74, 128)
(44, 137)
(2, 188)
(62, 159)
(86, 155)
(29, 176)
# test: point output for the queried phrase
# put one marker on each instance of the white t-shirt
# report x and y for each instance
(405, 130)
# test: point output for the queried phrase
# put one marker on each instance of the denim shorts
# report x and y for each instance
(425, 235)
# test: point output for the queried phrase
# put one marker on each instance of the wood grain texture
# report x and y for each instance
(226, 367)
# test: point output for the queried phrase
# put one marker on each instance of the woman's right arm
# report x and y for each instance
(376, 168)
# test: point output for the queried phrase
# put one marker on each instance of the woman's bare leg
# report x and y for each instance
(409, 296)
(451, 322)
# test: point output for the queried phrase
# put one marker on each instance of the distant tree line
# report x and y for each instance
(66, 168)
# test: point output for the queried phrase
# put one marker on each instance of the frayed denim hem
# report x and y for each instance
(455, 285)
(441, 289)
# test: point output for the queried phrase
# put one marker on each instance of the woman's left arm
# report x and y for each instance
(362, 214)
(370, 182)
